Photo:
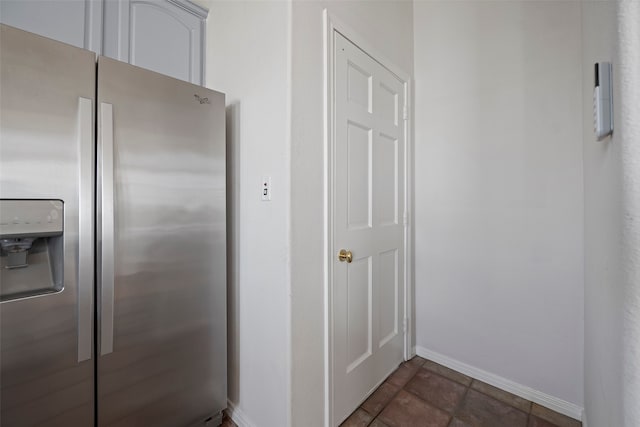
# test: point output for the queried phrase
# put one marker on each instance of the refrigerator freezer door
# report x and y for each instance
(162, 342)
(46, 153)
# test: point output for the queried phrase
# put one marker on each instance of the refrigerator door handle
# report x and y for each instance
(85, 228)
(107, 229)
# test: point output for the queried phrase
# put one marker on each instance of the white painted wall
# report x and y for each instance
(499, 196)
(628, 44)
(604, 293)
(499, 192)
(248, 59)
(612, 233)
(388, 27)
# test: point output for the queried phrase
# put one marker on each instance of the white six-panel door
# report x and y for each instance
(368, 207)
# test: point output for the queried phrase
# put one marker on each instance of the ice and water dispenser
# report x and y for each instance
(31, 247)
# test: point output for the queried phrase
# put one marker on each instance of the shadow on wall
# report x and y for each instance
(232, 123)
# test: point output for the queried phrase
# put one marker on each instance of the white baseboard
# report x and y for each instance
(556, 404)
(237, 416)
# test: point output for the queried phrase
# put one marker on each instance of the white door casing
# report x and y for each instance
(368, 203)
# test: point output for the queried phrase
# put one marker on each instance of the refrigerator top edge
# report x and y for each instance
(14, 30)
(8, 29)
(204, 94)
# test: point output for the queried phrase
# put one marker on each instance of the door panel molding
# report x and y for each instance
(404, 267)
(122, 18)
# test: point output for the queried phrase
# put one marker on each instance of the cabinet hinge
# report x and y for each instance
(405, 113)
(405, 218)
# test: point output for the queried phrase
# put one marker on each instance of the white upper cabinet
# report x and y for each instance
(166, 36)
(163, 36)
(75, 22)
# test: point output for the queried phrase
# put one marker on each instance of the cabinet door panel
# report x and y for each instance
(75, 22)
(161, 36)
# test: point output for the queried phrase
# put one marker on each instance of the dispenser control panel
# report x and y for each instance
(24, 218)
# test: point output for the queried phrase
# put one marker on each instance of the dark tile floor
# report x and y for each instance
(423, 393)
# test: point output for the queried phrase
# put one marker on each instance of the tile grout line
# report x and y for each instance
(437, 374)
(454, 412)
(529, 414)
(501, 401)
(375, 417)
(400, 388)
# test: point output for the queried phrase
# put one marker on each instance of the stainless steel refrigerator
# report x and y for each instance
(112, 242)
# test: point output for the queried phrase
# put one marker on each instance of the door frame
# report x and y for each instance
(331, 26)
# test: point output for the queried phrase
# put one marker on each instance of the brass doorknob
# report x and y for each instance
(345, 255)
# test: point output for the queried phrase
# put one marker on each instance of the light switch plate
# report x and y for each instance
(265, 188)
